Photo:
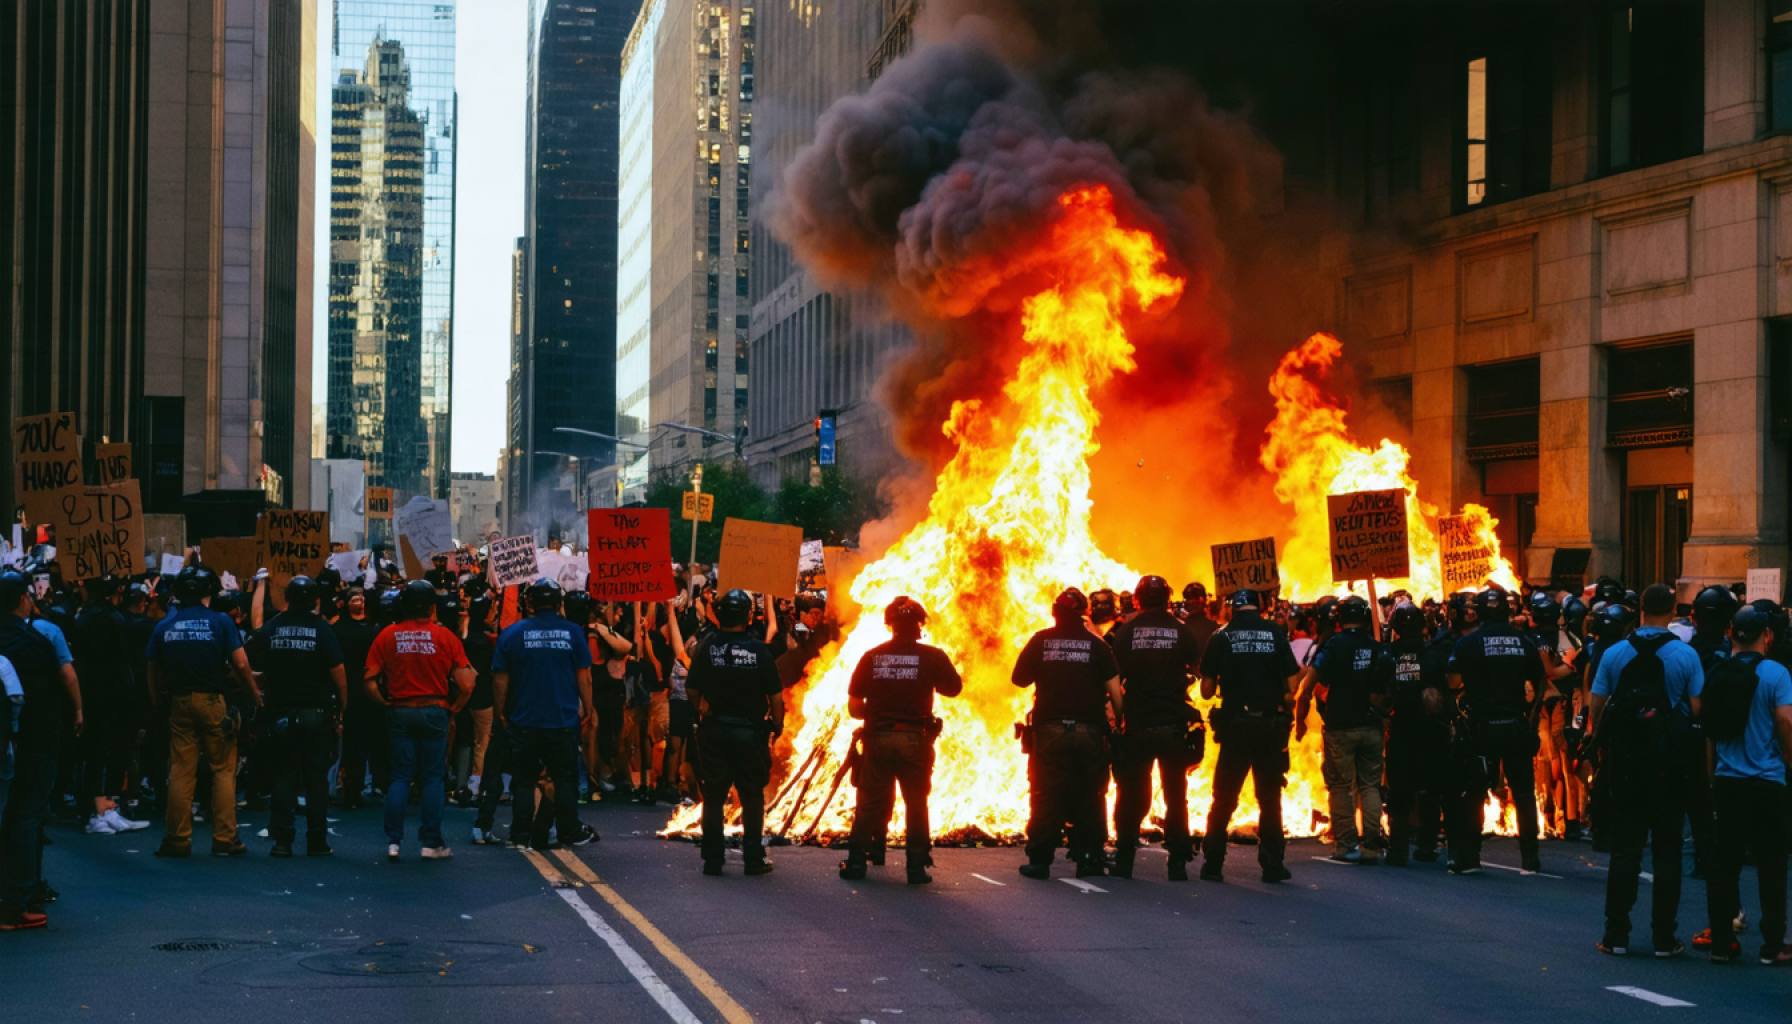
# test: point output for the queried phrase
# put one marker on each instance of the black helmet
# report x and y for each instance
(1574, 612)
(1749, 623)
(329, 578)
(389, 601)
(1195, 592)
(1104, 605)
(1612, 621)
(905, 611)
(1608, 591)
(1713, 607)
(195, 583)
(227, 601)
(545, 593)
(1544, 609)
(576, 606)
(301, 593)
(1071, 604)
(1152, 592)
(1407, 620)
(1491, 604)
(416, 600)
(1243, 600)
(14, 585)
(1353, 611)
(479, 609)
(734, 609)
(448, 608)
(101, 587)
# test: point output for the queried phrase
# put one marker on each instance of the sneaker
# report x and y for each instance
(1276, 875)
(759, 867)
(1670, 949)
(170, 850)
(99, 826)
(1353, 855)
(120, 823)
(585, 836)
(1531, 867)
(234, 848)
(281, 850)
(1464, 868)
(918, 875)
(852, 870)
(317, 849)
(1729, 955)
(1612, 948)
(1776, 956)
(1701, 939)
(437, 853)
(606, 786)
(392, 853)
(24, 920)
(1211, 872)
(1038, 872)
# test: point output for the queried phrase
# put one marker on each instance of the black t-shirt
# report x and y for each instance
(1251, 660)
(478, 644)
(734, 672)
(40, 673)
(1071, 667)
(100, 644)
(355, 637)
(294, 652)
(898, 680)
(1346, 665)
(1156, 652)
(1400, 673)
(1495, 662)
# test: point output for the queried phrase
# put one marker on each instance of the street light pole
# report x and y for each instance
(697, 489)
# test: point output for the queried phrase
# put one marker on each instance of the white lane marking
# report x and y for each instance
(1518, 871)
(1077, 883)
(657, 988)
(1647, 996)
(1644, 875)
(1335, 863)
(991, 881)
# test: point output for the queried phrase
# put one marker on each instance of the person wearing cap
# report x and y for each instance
(1496, 673)
(741, 707)
(420, 673)
(439, 575)
(1156, 654)
(541, 688)
(892, 692)
(1351, 713)
(42, 682)
(1075, 681)
(306, 688)
(195, 658)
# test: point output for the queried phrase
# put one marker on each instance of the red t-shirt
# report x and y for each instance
(416, 659)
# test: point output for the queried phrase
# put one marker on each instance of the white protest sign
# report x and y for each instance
(172, 564)
(426, 529)
(347, 563)
(512, 561)
(1764, 583)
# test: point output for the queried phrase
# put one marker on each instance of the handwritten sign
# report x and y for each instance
(424, 529)
(46, 457)
(1368, 531)
(512, 561)
(761, 557)
(238, 556)
(631, 554)
(1467, 557)
(378, 502)
(347, 563)
(1246, 565)
(1764, 583)
(99, 530)
(114, 461)
(293, 543)
(699, 506)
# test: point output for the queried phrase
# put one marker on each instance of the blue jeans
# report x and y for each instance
(419, 752)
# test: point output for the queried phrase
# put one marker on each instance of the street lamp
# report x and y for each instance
(601, 437)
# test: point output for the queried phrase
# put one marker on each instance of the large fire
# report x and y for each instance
(1008, 526)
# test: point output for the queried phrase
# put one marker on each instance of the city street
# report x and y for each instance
(628, 930)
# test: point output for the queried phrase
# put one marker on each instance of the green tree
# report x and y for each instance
(736, 495)
(832, 510)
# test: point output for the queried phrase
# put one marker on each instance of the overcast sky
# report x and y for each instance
(489, 66)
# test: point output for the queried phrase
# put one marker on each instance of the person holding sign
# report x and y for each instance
(740, 700)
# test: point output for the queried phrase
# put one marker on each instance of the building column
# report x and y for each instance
(1578, 481)
(1735, 72)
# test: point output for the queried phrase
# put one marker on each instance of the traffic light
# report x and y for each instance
(825, 436)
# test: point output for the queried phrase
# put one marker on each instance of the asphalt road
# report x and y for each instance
(627, 930)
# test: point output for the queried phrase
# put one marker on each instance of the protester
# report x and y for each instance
(300, 661)
(39, 725)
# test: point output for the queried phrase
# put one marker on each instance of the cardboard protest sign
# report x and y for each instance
(46, 457)
(761, 557)
(99, 530)
(1368, 530)
(114, 462)
(631, 554)
(424, 529)
(1246, 565)
(293, 543)
(1467, 557)
(699, 506)
(378, 502)
(238, 556)
(1764, 583)
(512, 561)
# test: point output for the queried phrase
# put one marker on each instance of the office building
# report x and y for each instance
(473, 504)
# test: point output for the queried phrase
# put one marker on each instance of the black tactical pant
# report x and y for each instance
(1257, 746)
(1638, 813)
(1067, 782)
(299, 748)
(531, 750)
(1418, 777)
(365, 748)
(1505, 748)
(491, 783)
(889, 759)
(737, 757)
(1750, 821)
(1164, 747)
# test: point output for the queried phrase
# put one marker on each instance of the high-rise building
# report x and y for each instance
(634, 282)
(516, 391)
(700, 106)
(424, 34)
(567, 375)
(156, 168)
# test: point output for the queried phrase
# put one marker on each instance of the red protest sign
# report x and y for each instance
(631, 554)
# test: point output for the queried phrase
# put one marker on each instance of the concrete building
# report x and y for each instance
(634, 267)
(424, 34)
(473, 504)
(156, 164)
(339, 487)
(516, 392)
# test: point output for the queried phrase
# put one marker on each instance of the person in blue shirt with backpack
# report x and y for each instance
(1645, 698)
(1748, 718)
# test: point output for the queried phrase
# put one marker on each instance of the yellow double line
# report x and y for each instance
(575, 873)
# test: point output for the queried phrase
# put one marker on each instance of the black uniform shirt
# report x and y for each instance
(355, 638)
(1400, 673)
(294, 652)
(898, 680)
(99, 643)
(1495, 662)
(1346, 667)
(735, 673)
(1071, 667)
(1251, 660)
(1156, 652)
(478, 644)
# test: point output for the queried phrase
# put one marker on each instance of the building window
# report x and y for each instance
(1475, 141)
(1502, 403)
(1779, 64)
(1503, 118)
(1657, 522)
(1652, 83)
(1649, 396)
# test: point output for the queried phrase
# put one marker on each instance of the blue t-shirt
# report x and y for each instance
(1685, 677)
(53, 633)
(191, 650)
(542, 655)
(1757, 754)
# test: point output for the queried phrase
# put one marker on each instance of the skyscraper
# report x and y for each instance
(570, 219)
(424, 33)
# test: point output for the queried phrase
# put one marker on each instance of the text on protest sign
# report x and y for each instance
(293, 543)
(1764, 583)
(238, 556)
(424, 530)
(377, 501)
(631, 554)
(512, 561)
(1467, 557)
(99, 530)
(1368, 530)
(46, 457)
(114, 462)
(1246, 565)
(699, 506)
(760, 557)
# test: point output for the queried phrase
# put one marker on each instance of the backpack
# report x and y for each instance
(1641, 727)
(1729, 696)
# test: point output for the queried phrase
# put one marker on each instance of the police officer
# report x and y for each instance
(1156, 653)
(306, 687)
(195, 656)
(108, 696)
(1490, 670)
(892, 691)
(1075, 676)
(541, 688)
(1251, 668)
(735, 683)
(1353, 733)
(1194, 605)
(1418, 738)
(41, 723)
(1104, 610)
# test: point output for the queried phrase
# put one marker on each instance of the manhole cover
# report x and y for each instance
(390, 959)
